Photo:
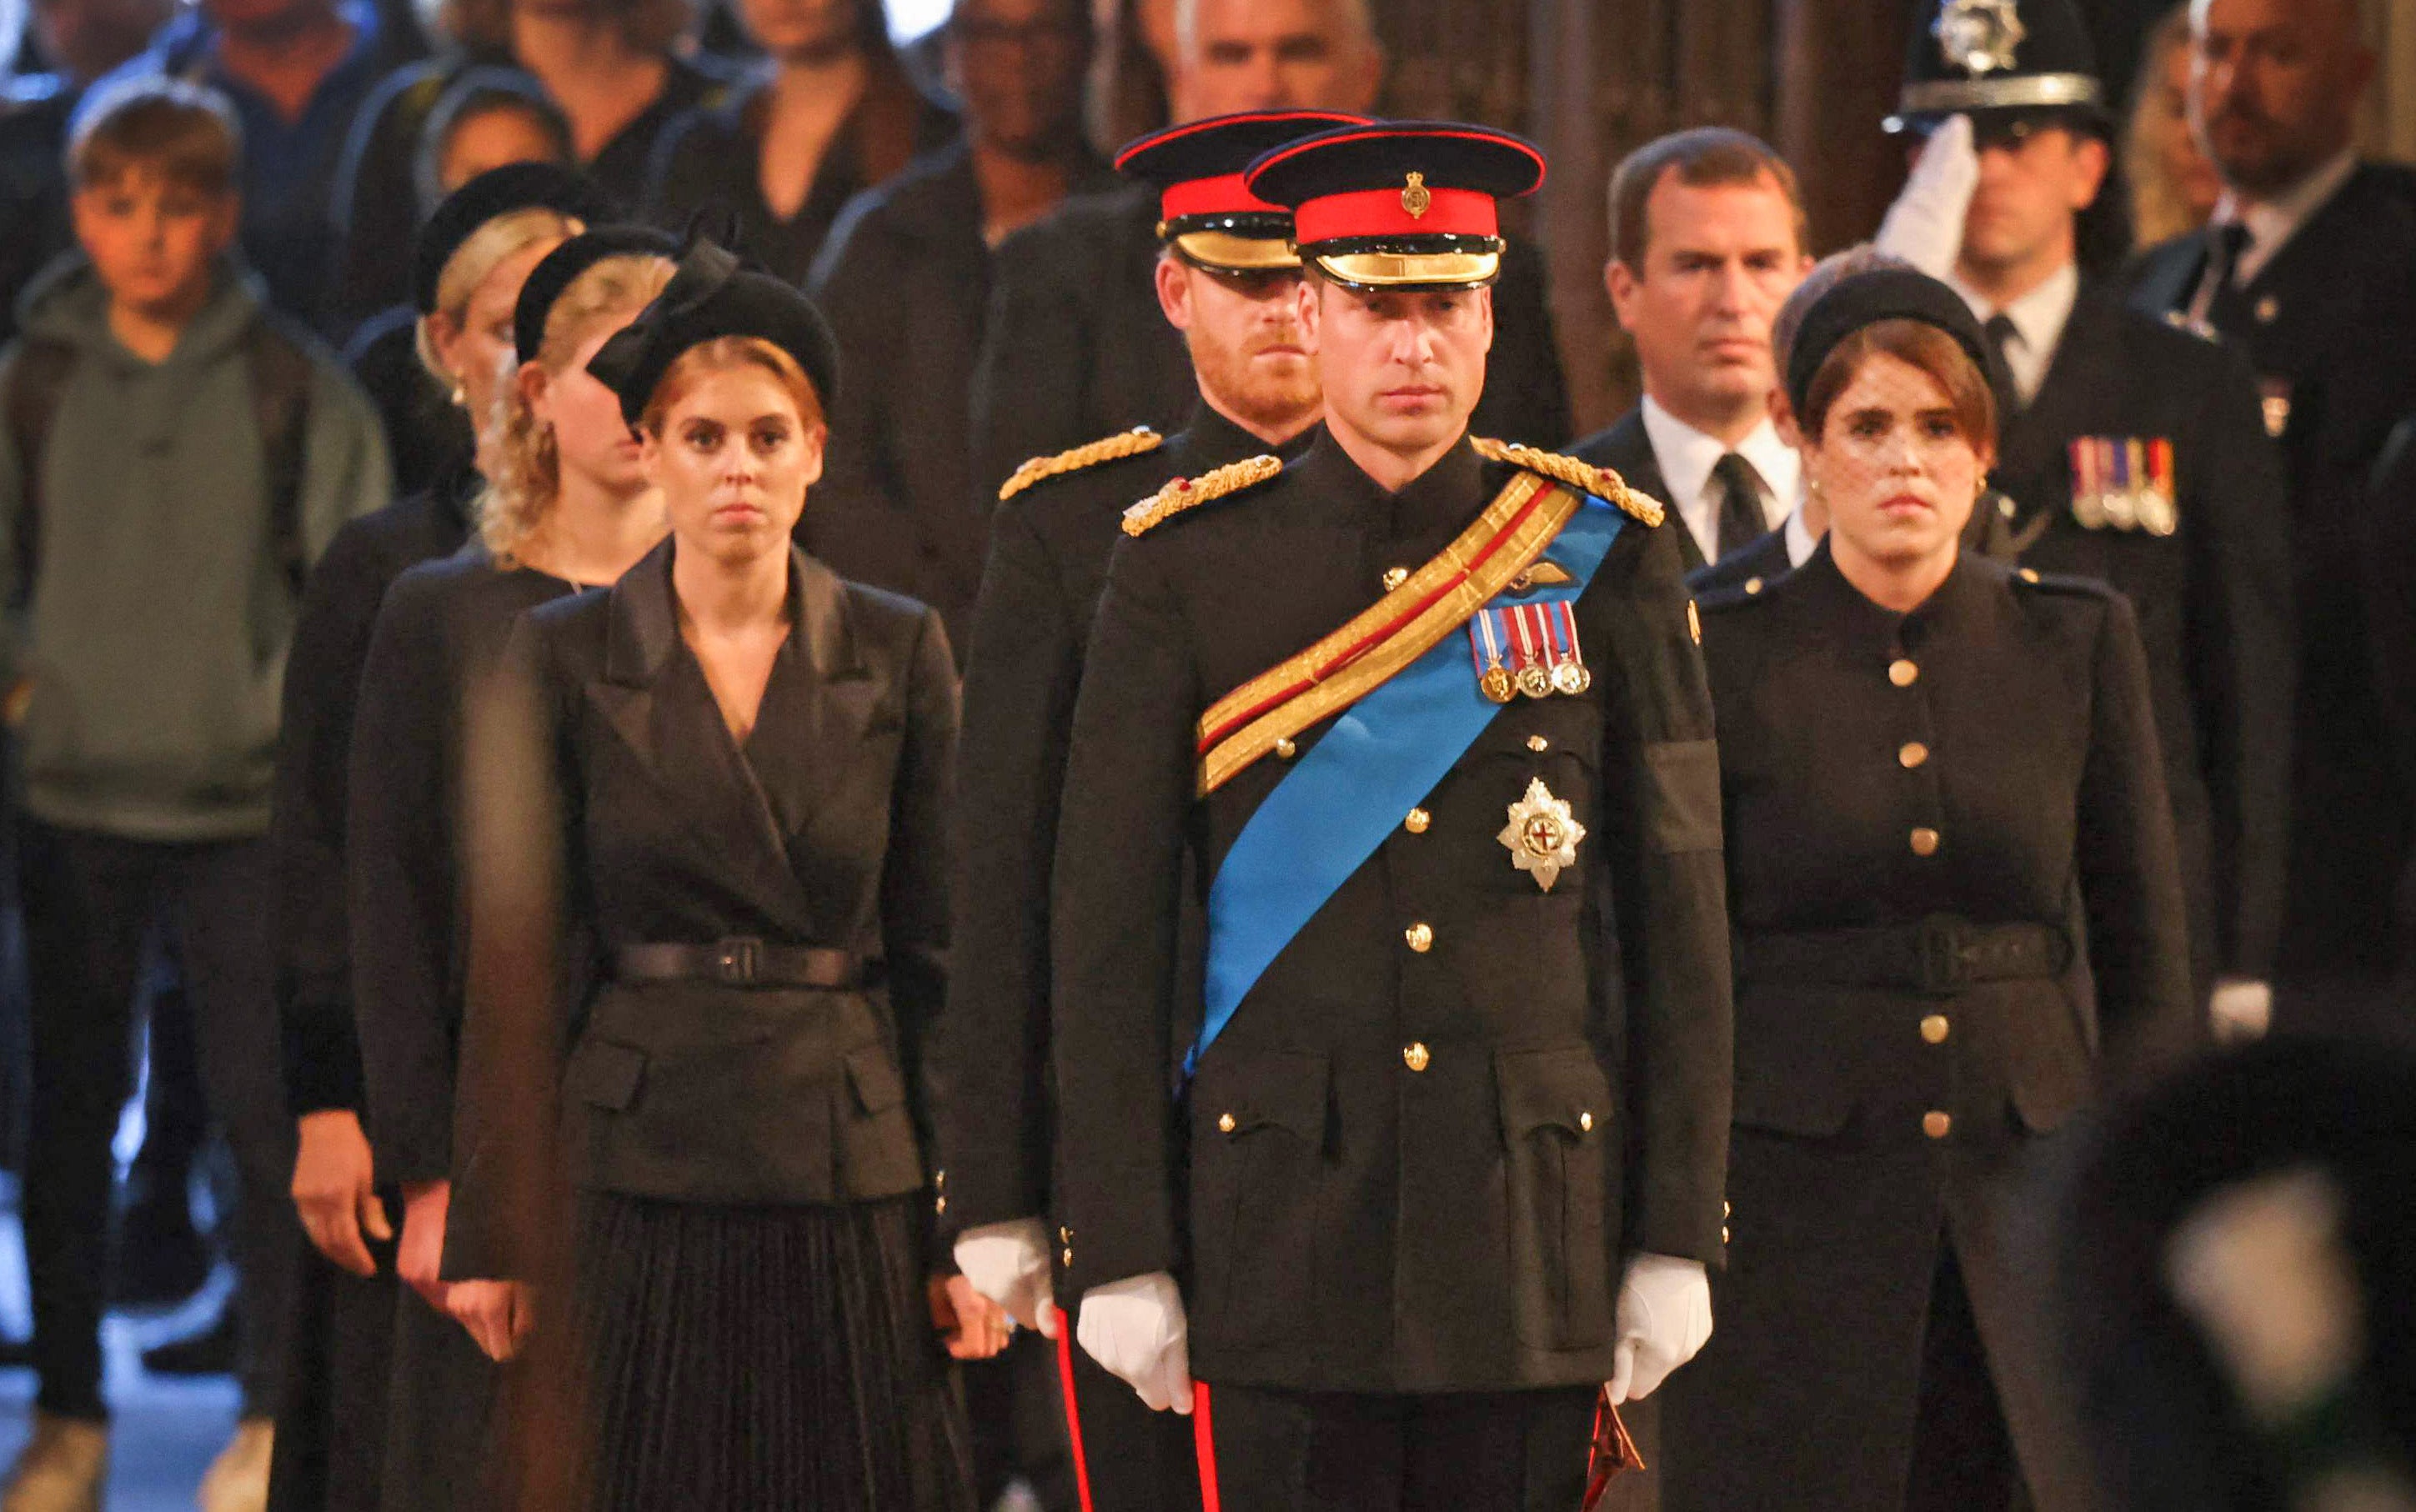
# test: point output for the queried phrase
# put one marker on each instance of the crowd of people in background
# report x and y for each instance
(358, 353)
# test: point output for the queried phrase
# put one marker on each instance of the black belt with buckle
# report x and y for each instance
(1940, 955)
(742, 962)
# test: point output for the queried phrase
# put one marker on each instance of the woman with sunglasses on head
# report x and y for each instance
(748, 759)
(1956, 899)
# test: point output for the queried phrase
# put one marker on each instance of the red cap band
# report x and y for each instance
(1221, 195)
(1449, 212)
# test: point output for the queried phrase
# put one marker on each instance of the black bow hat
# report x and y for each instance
(1868, 298)
(1988, 58)
(496, 192)
(1401, 205)
(1206, 212)
(714, 295)
(561, 269)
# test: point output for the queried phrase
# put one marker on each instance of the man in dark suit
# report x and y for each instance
(897, 507)
(1446, 1168)
(1227, 282)
(1707, 242)
(1075, 345)
(2306, 266)
(2132, 453)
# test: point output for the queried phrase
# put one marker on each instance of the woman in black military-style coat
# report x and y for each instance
(567, 508)
(749, 761)
(1955, 893)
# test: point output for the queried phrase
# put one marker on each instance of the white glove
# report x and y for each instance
(1665, 1316)
(2241, 1011)
(1924, 226)
(1136, 1329)
(1008, 1263)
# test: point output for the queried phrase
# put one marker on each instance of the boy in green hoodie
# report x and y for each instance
(174, 456)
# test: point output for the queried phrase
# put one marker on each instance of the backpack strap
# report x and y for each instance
(37, 378)
(282, 376)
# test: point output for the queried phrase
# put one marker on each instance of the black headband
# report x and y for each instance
(714, 295)
(562, 268)
(1882, 294)
(496, 192)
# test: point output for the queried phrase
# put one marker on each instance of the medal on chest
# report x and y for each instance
(1542, 836)
(1528, 649)
(2125, 483)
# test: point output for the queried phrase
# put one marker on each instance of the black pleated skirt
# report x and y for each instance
(746, 1358)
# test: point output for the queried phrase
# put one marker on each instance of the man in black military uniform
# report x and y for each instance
(1441, 1167)
(2129, 453)
(1075, 347)
(1707, 242)
(1227, 280)
(897, 507)
(2306, 267)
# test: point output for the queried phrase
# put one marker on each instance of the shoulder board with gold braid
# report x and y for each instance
(1585, 477)
(1131, 443)
(1191, 492)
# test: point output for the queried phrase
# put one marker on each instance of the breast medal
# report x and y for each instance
(2127, 483)
(1541, 837)
(1528, 649)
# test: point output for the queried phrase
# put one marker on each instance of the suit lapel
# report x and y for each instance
(654, 698)
(816, 707)
(1627, 450)
(2035, 440)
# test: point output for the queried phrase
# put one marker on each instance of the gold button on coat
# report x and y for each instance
(1394, 577)
(1538, 744)
(1069, 1258)
(1585, 1123)
(1417, 822)
(1752, 586)
(1420, 936)
(1936, 1125)
(1902, 672)
(1285, 749)
(1914, 754)
(1925, 841)
(1934, 1029)
(1415, 1057)
(1223, 1123)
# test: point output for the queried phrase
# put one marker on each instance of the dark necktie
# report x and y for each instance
(1739, 522)
(2226, 299)
(2002, 333)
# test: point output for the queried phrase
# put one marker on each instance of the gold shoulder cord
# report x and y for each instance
(1191, 492)
(1131, 443)
(1582, 476)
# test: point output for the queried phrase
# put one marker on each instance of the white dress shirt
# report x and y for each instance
(2273, 222)
(2039, 318)
(1686, 457)
(1801, 542)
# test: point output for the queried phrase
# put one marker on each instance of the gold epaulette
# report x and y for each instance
(1131, 443)
(1583, 476)
(1191, 492)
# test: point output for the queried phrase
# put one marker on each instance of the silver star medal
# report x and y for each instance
(1540, 836)
(1980, 37)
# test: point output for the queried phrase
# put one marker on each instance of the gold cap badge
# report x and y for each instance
(1417, 198)
(1980, 37)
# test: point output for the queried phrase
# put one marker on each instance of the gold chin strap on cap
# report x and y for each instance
(1411, 270)
(1222, 250)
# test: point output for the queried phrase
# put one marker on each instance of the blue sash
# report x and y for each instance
(1340, 801)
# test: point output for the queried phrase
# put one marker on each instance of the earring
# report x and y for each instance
(461, 396)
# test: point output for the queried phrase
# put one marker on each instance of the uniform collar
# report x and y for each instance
(2038, 317)
(1211, 439)
(2273, 222)
(1842, 608)
(1447, 495)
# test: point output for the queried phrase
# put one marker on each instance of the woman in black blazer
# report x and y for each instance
(749, 759)
(567, 507)
(1955, 895)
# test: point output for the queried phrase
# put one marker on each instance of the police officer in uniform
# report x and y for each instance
(2130, 452)
(2306, 267)
(1228, 279)
(1412, 711)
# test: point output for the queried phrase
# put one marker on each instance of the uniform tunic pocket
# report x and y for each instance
(1555, 1119)
(1258, 1127)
